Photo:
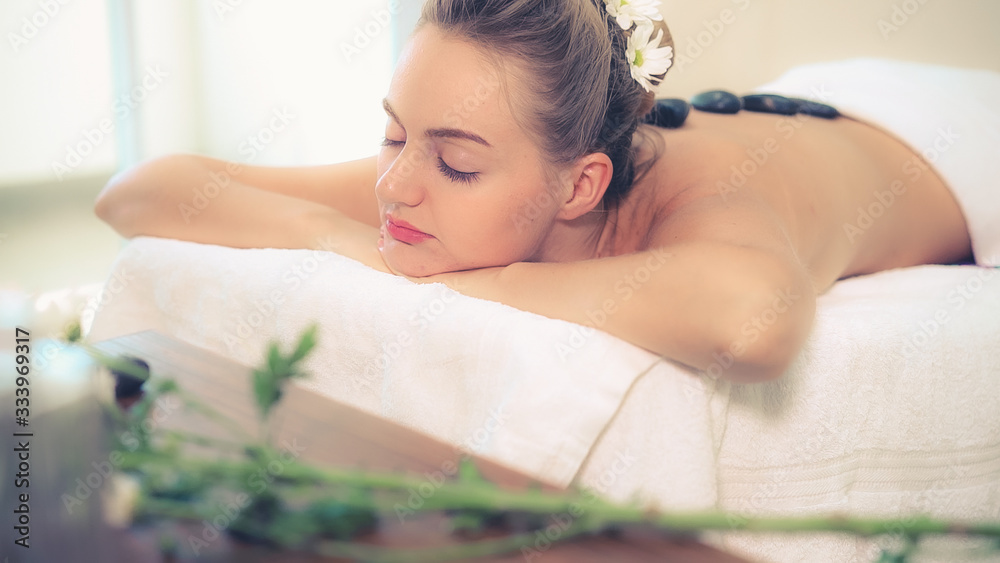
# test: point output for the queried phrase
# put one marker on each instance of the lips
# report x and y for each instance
(404, 232)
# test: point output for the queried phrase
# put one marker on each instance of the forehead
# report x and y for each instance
(444, 81)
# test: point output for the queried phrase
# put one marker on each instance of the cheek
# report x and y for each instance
(515, 232)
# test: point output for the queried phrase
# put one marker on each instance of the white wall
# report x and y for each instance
(208, 77)
(762, 38)
(324, 66)
(55, 88)
(228, 65)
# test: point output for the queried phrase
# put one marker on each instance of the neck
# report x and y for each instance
(586, 237)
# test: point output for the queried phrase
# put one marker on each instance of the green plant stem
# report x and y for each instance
(367, 552)
(596, 513)
(195, 403)
(467, 550)
(190, 401)
(205, 440)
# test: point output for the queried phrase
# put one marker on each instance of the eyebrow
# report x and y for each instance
(443, 133)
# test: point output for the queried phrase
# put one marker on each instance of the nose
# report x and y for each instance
(403, 182)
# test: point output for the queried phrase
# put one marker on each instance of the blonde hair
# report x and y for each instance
(582, 96)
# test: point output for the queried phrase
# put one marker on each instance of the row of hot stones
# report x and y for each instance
(672, 112)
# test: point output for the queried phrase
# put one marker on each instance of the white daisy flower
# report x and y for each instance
(627, 12)
(646, 58)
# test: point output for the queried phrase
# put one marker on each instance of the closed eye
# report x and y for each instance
(455, 175)
(387, 142)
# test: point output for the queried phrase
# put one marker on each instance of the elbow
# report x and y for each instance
(122, 201)
(770, 331)
(110, 199)
(112, 202)
(117, 203)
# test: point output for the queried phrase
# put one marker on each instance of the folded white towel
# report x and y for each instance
(890, 409)
(893, 409)
(528, 391)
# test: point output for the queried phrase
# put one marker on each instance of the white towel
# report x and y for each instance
(527, 391)
(891, 407)
(949, 115)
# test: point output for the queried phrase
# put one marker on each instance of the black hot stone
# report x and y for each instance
(816, 109)
(669, 112)
(770, 103)
(717, 101)
(127, 385)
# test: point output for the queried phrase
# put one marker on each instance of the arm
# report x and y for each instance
(719, 289)
(204, 200)
(702, 304)
(179, 179)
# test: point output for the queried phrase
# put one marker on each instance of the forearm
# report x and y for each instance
(178, 198)
(703, 305)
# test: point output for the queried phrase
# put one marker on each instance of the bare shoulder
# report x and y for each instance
(760, 179)
(685, 196)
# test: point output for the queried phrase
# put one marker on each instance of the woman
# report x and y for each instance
(515, 168)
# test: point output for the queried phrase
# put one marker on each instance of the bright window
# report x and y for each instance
(90, 86)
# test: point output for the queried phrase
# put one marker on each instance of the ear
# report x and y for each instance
(591, 175)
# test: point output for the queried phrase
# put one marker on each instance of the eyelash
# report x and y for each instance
(455, 175)
(448, 171)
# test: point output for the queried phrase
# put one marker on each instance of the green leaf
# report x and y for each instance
(468, 472)
(73, 333)
(278, 369)
(274, 360)
(265, 390)
(306, 343)
(337, 520)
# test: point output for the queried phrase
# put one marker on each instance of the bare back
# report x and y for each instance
(850, 198)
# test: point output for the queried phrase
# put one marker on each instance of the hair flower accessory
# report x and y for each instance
(646, 58)
(628, 12)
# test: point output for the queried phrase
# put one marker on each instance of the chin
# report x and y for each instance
(417, 262)
(414, 267)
